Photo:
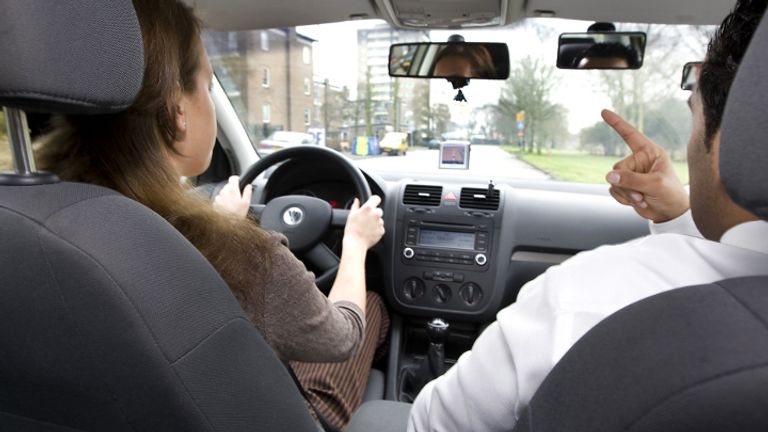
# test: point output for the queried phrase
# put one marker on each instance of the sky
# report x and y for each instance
(335, 58)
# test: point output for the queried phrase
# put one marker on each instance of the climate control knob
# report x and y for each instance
(471, 293)
(413, 289)
(441, 293)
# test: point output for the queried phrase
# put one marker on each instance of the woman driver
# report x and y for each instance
(169, 132)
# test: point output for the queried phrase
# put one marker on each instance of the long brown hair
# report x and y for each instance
(128, 151)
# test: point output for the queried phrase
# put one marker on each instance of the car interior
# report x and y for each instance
(111, 320)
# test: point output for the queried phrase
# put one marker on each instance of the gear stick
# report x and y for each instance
(414, 377)
(437, 331)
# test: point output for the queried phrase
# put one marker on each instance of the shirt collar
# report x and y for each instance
(748, 235)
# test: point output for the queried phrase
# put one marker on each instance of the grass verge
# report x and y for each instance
(579, 167)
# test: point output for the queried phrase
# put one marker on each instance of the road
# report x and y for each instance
(485, 160)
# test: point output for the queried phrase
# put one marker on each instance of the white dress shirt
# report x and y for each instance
(491, 384)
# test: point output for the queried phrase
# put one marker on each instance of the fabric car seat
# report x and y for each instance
(691, 359)
(109, 319)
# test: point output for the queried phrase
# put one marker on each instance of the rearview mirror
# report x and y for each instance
(449, 60)
(601, 50)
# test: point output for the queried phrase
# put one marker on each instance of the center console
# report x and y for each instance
(450, 256)
(447, 252)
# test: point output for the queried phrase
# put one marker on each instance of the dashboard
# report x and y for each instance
(461, 248)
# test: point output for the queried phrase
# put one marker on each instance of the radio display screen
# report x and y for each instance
(447, 239)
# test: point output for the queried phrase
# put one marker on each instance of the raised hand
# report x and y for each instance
(645, 179)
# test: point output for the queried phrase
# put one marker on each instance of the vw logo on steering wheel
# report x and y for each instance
(293, 216)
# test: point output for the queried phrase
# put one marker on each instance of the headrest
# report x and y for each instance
(76, 57)
(744, 138)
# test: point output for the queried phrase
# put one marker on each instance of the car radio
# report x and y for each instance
(434, 242)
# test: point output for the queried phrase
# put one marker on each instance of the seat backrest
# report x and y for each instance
(691, 359)
(111, 320)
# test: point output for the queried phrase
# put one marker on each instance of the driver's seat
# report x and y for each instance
(109, 319)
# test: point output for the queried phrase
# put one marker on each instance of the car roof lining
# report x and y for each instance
(250, 14)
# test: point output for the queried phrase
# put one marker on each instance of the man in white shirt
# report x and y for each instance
(491, 384)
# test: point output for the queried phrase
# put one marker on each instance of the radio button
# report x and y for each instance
(408, 253)
(466, 262)
(481, 259)
(458, 277)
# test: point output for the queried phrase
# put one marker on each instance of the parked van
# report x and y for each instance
(394, 143)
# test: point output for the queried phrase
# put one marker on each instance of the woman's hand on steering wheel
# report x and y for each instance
(229, 199)
(365, 225)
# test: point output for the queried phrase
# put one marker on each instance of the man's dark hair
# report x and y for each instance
(610, 50)
(724, 54)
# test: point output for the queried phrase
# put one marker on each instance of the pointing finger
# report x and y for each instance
(634, 139)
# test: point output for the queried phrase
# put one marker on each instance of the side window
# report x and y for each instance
(232, 41)
(265, 79)
(219, 170)
(264, 40)
(5, 151)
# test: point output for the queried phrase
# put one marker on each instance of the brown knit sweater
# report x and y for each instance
(296, 319)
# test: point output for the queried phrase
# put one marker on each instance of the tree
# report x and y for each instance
(368, 103)
(441, 116)
(600, 136)
(669, 125)
(395, 112)
(554, 129)
(632, 92)
(528, 89)
(422, 116)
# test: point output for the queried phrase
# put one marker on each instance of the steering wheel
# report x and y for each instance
(306, 220)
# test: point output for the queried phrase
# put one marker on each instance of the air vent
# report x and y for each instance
(422, 195)
(472, 198)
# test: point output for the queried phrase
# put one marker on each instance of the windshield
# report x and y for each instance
(542, 123)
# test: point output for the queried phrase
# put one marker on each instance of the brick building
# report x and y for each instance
(267, 75)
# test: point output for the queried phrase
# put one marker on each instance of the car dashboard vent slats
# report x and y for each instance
(422, 195)
(475, 198)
